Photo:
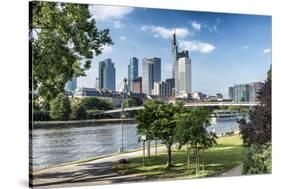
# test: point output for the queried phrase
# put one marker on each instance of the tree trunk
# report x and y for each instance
(197, 160)
(148, 148)
(169, 155)
(188, 158)
(156, 147)
(203, 161)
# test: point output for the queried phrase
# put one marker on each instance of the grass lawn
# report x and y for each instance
(227, 154)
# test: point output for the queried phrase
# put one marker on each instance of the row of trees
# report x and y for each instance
(175, 124)
(256, 133)
(63, 108)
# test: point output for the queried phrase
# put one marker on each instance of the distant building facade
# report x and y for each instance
(183, 77)
(107, 75)
(254, 88)
(241, 92)
(199, 96)
(231, 93)
(162, 88)
(133, 72)
(151, 70)
(171, 81)
(137, 85)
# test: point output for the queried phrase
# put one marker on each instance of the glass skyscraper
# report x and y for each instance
(151, 71)
(107, 75)
(133, 72)
(241, 92)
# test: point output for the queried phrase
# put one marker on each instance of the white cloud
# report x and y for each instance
(196, 25)
(266, 50)
(123, 38)
(196, 46)
(107, 49)
(165, 33)
(102, 13)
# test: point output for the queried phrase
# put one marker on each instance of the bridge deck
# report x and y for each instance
(194, 104)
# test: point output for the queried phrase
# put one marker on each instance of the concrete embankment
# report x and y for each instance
(80, 123)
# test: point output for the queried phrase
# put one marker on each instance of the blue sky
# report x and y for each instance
(225, 49)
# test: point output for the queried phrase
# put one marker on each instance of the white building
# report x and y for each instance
(183, 88)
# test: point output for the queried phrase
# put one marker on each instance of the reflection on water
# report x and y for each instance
(61, 145)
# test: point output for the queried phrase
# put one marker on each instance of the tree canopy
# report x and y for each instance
(63, 40)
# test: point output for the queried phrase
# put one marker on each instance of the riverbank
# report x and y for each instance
(218, 159)
(79, 123)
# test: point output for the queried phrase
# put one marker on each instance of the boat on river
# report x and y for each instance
(225, 115)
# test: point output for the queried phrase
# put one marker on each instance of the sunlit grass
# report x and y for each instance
(225, 155)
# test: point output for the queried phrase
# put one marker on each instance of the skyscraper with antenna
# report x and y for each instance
(181, 73)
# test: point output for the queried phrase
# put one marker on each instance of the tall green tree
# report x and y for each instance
(63, 40)
(257, 132)
(60, 108)
(145, 119)
(164, 126)
(183, 133)
(200, 137)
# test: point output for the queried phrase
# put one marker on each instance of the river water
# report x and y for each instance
(61, 145)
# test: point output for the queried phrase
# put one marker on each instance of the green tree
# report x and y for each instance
(257, 132)
(200, 138)
(183, 133)
(60, 108)
(145, 119)
(94, 103)
(164, 126)
(63, 40)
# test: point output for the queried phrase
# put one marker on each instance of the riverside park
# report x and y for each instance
(128, 127)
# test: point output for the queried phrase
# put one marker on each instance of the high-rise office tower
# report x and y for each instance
(174, 54)
(241, 92)
(184, 55)
(183, 77)
(254, 88)
(231, 93)
(151, 70)
(107, 75)
(133, 72)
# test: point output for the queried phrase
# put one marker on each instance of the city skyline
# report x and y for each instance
(223, 47)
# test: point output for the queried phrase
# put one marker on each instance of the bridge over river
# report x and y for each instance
(191, 104)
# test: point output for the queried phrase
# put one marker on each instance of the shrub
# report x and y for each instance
(60, 108)
(79, 112)
(96, 103)
(257, 159)
(41, 115)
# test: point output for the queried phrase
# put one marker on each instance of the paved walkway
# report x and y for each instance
(88, 173)
(96, 172)
(236, 171)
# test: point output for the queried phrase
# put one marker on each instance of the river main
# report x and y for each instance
(56, 146)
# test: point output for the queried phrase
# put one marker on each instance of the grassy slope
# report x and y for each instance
(218, 159)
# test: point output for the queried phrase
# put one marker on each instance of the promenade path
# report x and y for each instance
(96, 172)
(236, 171)
(93, 172)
